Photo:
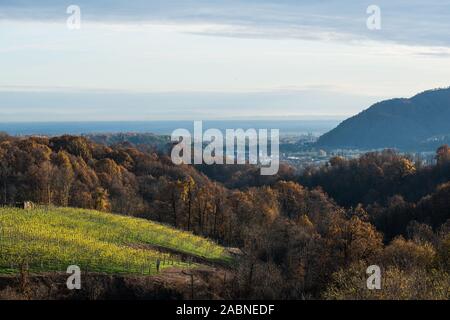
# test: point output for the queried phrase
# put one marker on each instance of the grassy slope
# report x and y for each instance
(52, 239)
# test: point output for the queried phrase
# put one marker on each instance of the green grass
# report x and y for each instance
(52, 239)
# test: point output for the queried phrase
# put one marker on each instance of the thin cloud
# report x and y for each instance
(411, 22)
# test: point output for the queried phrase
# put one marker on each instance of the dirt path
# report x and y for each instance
(185, 257)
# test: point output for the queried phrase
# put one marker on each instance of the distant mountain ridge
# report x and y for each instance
(418, 123)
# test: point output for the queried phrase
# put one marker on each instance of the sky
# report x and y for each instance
(210, 59)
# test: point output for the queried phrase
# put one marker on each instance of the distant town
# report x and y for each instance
(300, 152)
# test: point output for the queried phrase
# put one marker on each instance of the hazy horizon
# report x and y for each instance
(162, 127)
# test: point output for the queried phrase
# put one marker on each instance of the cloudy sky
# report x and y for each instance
(210, 59)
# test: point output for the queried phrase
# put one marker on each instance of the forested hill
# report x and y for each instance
(302, 236)
(419, 123)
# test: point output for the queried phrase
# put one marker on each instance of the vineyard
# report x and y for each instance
(51, 239)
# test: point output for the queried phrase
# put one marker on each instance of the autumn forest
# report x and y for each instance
(308, 235)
